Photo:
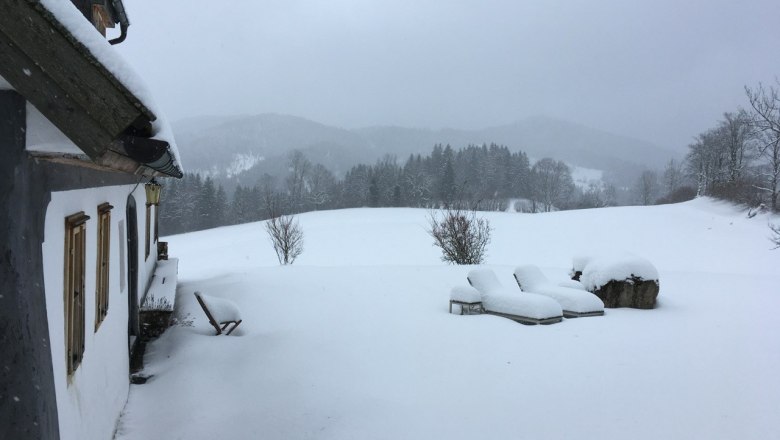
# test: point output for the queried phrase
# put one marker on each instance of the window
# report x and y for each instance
(75, 242)
(103, 254)
(148, 228)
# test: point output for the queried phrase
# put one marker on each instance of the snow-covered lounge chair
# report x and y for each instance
(467, 298)
(574, 302)
(220, 312)
(527, 308)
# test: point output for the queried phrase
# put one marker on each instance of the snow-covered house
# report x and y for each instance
(80, 140)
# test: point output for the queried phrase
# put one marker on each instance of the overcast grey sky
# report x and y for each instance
(657, 70)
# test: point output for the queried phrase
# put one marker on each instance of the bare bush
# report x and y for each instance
(286, 236)
(462, 236)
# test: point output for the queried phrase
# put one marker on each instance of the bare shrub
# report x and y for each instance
(462, 236)
(286, 236)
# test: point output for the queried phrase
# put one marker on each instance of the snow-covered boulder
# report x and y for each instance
(620, 281)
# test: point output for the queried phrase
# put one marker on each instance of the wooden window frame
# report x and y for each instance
(103, 263)
(74, 288)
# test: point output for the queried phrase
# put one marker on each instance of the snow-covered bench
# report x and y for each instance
(220, 312)
(162, 289)
(468, 298)
(157, 307)
(526, 308)
(574, 302)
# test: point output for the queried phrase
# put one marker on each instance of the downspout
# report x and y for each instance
(122, 36)
(122, 19)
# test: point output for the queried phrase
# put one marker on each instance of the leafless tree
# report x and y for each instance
(462, 236)
(775, 235)
(673, 176)
(735, 131)
(646, 188)
(299, 168)
(765, 120)
(286, 237)
(320, 183)
(552, 183)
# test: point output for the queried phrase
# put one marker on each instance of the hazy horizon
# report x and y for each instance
(660, 72)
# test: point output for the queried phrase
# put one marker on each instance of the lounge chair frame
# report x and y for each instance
(568, 313)
(527, 320)
(475, 307)
(219, 326)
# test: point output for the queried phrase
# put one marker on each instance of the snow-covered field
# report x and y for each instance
(354, 341)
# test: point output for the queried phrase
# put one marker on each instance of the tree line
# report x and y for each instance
(738, 159)
(485, 177)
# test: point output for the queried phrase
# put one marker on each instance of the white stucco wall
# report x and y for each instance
(90, 402)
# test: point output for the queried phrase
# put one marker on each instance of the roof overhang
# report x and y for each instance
(55, 72)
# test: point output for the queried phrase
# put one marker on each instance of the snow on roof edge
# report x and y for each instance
(83, 31)
(4, 85)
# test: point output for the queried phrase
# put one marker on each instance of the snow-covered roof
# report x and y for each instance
(66, 20)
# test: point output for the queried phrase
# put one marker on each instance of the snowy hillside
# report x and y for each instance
(354, 340)
(274, 136)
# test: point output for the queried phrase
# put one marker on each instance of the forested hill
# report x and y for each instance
(230, 146)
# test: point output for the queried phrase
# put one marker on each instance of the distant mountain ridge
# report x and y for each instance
(217, 145)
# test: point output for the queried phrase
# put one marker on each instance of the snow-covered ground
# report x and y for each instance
(354, 340)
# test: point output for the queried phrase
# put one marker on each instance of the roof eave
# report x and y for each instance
(71, 88)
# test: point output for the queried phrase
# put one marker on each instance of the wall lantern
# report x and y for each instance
(153, 190)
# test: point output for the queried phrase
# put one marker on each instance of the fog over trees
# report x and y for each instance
(486, 177)
(738, 159)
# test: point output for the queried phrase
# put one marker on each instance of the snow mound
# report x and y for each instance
(572, 284)
(599, 271)
(222, 310)
(579, 262)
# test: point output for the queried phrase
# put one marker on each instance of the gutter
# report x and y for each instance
(152, 153)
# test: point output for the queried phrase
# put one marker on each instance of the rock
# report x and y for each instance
(633, 292)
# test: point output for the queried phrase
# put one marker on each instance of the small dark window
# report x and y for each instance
(103, 263)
